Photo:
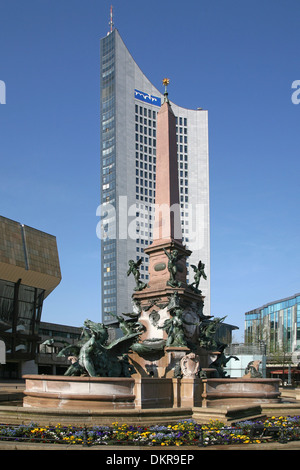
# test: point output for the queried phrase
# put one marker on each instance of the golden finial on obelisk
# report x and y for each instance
(166, 82)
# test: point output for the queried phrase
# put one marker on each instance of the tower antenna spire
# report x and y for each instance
(166, 82)
(111, 23)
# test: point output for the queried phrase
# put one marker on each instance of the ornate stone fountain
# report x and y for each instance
(162, 359)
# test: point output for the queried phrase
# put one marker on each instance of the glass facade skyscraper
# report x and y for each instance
(129, 105)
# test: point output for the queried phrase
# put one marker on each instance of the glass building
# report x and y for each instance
(129, 105)
(29, 272)
(277, 324)
(20, 308)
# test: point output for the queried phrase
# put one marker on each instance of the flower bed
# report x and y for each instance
(186, 433)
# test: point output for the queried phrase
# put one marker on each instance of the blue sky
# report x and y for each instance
(235, 58)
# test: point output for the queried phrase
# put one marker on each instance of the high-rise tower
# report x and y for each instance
(129, 107)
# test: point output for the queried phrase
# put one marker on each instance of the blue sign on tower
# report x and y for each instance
(147, 98)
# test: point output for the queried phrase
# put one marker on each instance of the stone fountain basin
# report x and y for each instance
(240, 391)
(95, 393)
(106, 393)
(78, 392)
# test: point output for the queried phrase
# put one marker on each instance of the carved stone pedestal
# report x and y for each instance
(191, 392)
(151, 392)
(164, 364)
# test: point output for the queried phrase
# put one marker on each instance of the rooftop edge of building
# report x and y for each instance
(28, 254)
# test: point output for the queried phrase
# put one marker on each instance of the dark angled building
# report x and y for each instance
(29, 272)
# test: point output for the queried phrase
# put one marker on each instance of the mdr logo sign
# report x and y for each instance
(2, 92)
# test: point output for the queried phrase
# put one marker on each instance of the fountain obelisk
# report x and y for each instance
(167, 232)
(167, 300)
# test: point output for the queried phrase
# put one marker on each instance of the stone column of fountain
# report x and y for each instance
(170, 310)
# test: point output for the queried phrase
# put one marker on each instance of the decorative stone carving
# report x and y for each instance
(190, 365)
(252, 370)
(154, 317)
